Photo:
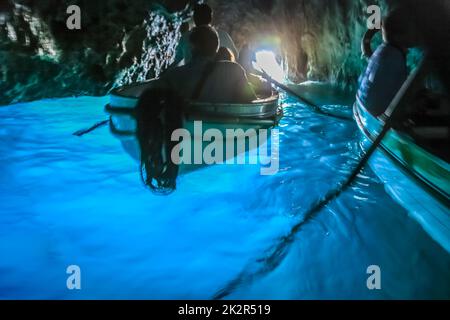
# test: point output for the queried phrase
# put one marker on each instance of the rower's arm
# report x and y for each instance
(246, 93)
(260, 86)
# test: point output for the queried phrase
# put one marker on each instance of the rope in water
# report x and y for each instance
(274, 256)
(94, 127)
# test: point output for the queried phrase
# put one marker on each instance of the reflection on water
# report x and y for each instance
(66, 200)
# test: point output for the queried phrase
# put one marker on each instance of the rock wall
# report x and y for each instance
(40, 57)
(320, 38)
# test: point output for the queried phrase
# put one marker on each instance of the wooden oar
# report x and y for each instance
(307, 102)
(273, 257)
(82, 132)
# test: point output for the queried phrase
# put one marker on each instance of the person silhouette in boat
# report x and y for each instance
(205, 79)
(159, 109)
(261, 87)
(225, 54)
(203, 16)
(387, 68)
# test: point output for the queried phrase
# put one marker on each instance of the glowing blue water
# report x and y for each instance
(79, 201)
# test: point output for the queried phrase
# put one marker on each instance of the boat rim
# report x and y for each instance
(419, 178)
(260, 108)
(116, 92)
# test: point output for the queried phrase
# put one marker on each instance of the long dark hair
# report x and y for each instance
(158, 114)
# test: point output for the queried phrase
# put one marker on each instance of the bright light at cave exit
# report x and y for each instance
(266, 61)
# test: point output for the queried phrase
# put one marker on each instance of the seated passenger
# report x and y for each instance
(225, 54)
(203, 16)
(387, 70)
(215, 81)
(203, 79)
(261, 87)
(183, 48)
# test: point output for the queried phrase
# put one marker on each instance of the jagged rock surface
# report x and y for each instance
(40, 57)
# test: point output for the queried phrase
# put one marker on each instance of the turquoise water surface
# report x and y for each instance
(67, 201)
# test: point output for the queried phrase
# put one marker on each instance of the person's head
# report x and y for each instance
(203, 15)
(398, 28)
(204, 41)
(184, 28)
(225, 54)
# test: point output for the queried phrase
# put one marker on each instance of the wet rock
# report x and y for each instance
(36, 44)
(319, 40)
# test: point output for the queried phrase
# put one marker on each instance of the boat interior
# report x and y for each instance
(428, 124)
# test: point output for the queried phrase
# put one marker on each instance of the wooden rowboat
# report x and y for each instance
(260, 114)
(414, 177)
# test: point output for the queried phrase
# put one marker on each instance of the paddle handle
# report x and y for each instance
(308, 102)
(94, 127)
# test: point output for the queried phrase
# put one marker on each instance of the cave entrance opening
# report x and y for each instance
(267, 61)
